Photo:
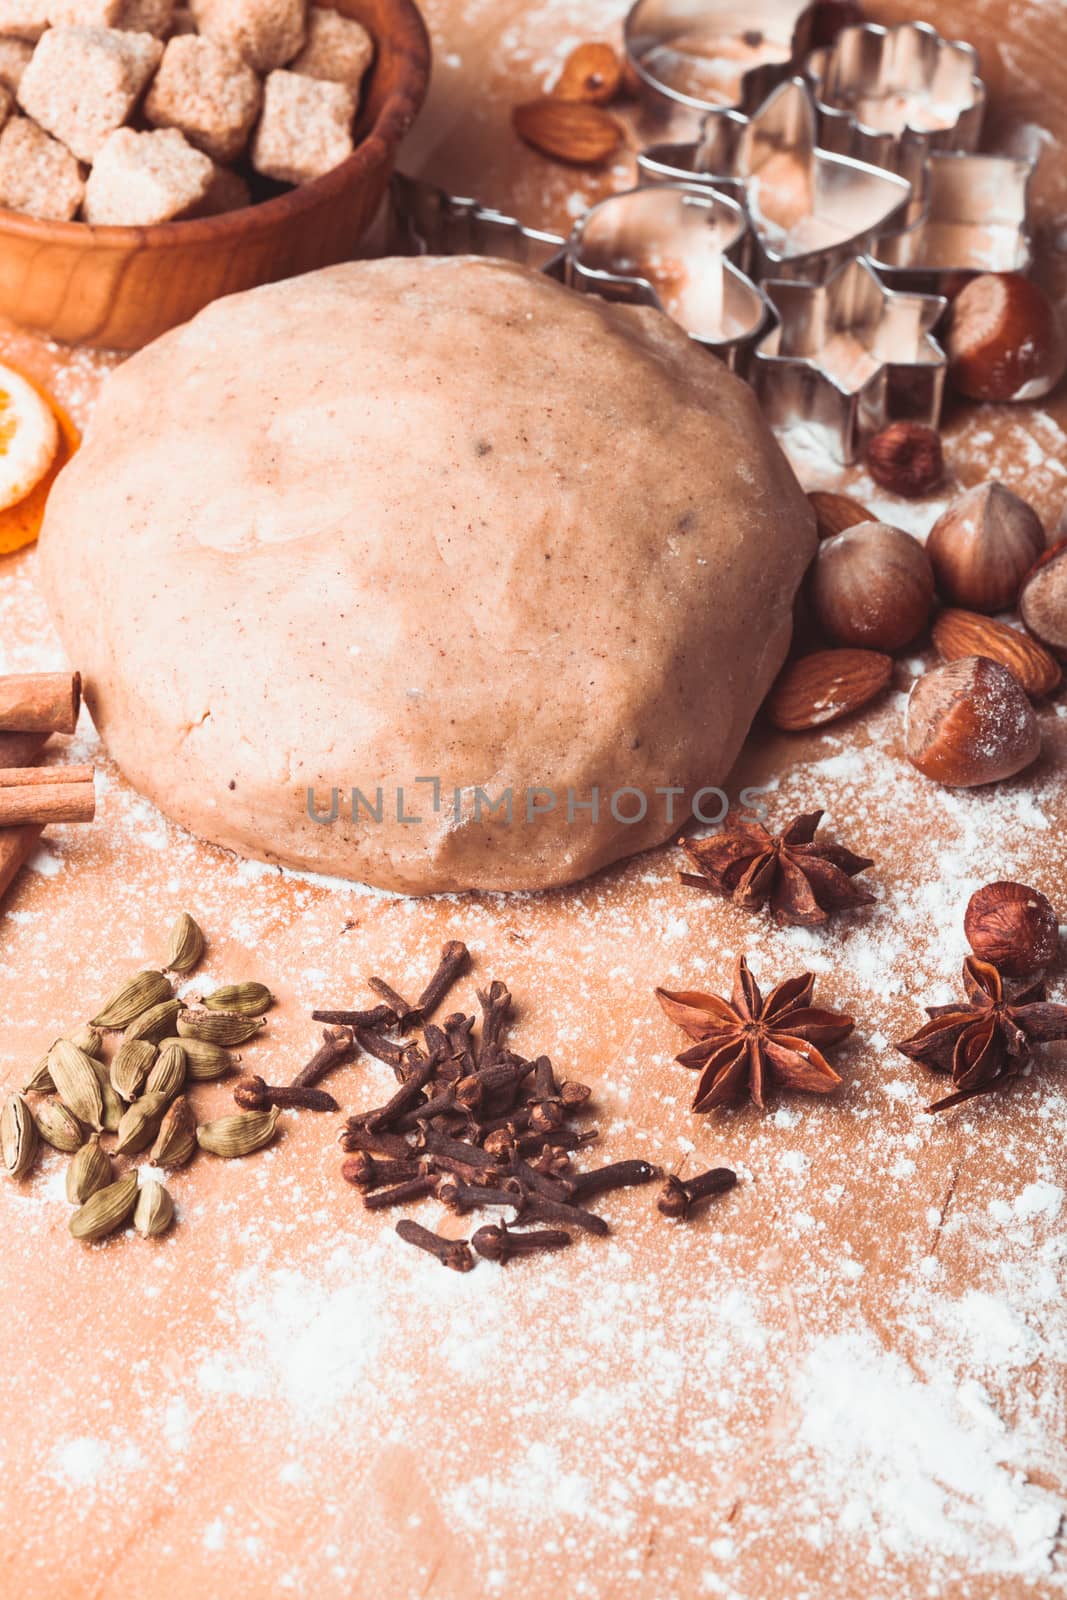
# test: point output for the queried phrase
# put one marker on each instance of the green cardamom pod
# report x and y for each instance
(18, 1136)
(58, 1127)
(40, 1079)
(246, 999)
(167, 1077)
(203, 1060)
(155, 1023)
(186, 945)
(218, 1027)
(89, 1039)
(238, 1135)
(176, 1139)
(89, 1171)
(77, 1084)
(144, 989)
(154, 1211)
(130, 1066)
(106, 1210)
(140, 1124)
(114, 1106)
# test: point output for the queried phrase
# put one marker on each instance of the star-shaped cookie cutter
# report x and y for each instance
(889, 96)
(848, 356)
(810, 210)
(674, 248)
(696, 55)
(975, 218)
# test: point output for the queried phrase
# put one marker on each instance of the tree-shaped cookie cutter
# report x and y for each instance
(696, 55)
(676, 249)
(890, 96)
(974, 218)
(849, 355)
(810, 210)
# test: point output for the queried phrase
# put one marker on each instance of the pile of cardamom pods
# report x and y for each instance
(136, 1096)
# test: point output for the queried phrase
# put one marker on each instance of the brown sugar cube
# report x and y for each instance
(38, 175)
(142, 178)
(23, 19)
(337, 48)
(265, 33)
(209, 94)
(14, 58)
(132, 16)
(83, 83)
(147, 16)
(305, 129)
(227, 191)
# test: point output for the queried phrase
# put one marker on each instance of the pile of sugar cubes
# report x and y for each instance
(142, 111)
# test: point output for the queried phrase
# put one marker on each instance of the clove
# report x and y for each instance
(400, 1194)
(678, 1196)
(462, 1197)
(496, 1243)
(252, 1094)
(375, 1018)
(338, 1045)
(454, 1253)
(369, 1172)
(619, 1175)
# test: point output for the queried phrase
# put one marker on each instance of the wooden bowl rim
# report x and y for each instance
(411, 39)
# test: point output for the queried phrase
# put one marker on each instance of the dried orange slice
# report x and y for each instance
(20, 523)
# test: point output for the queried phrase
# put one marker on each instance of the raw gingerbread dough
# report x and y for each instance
(434, 518)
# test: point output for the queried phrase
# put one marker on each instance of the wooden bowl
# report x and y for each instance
(120, 287)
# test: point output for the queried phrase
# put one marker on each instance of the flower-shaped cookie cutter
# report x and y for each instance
(704, 54)
(849, 355)
(673, 248)
(810, 210)
(889, 96)
(975, 218)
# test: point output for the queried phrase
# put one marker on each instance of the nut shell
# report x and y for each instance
(1004, 339)
(969, 722)
(1013, 926)
(1043, 600)
(983, 546)
(906, 458)
(872, 587)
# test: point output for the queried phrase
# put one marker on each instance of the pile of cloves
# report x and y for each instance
(473, 1124)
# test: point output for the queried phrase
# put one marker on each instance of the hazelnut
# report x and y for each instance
(1012, 926)
(1004, 339)
(1043, 600)
(872, 586)
(969, 722)
(906, 459)
(983, 546)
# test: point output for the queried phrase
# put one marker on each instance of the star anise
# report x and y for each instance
(985, 1040)
(746, 1043)
(803, 881)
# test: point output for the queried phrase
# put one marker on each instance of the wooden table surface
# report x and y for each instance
(847, 1378)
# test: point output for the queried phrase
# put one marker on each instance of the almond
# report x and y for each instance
(820, 688)
(567, 130)
(592, 73)
(836, 512)
(958, 634)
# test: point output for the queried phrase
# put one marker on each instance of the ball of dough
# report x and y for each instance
(426, 519)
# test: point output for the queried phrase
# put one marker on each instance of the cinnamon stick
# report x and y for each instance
(46, 794)
(16, 847)
(40, 702)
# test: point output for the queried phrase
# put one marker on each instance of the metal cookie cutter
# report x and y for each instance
(810, 210)
(675, 249)
(848, 356)
(975, 219)
(699, 54)
(891, 95)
